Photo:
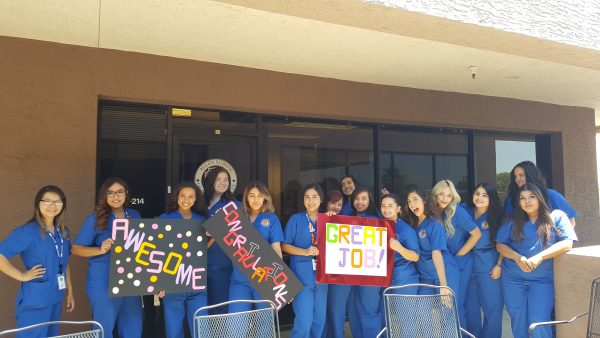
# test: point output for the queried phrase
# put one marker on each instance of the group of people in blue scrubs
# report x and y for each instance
(491, 256)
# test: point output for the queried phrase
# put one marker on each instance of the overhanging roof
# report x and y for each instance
(343, 39)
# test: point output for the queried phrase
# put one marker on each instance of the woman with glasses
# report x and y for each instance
(44, 246)
(94, 241)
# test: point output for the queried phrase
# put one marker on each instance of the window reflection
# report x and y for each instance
(415, 158)
(497, 153)
(304, 152)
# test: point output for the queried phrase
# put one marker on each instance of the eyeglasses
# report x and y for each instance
(48, 203)
(119, 193)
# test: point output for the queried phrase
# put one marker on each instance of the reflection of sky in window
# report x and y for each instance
(509, 153)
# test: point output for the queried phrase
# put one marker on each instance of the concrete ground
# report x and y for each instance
(505, 329)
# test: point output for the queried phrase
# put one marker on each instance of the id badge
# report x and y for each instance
(62, 284)
(314, 261)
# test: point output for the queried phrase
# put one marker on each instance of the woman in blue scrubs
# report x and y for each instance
(405, 244)
(364, 305)
(94, 241)
(44, 246)
(184, 203)
(529, 242)
(436, 265)
(527, 172)
(217, 193)
(462, 234)
(301, 243)
(484, 293)
(258, 204)
(349, 184)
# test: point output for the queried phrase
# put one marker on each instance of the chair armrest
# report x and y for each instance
(533, 326)
(466, 332)
(381, 333)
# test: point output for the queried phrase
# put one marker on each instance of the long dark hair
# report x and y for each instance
(397, 199)
(372, 209)
(102, 209)
(262, 188)
(209, 184)
(544, 224)
(532, 175)
(59, 220)
(495, 213)
(428, 206)
(199, 206)
(319, 191)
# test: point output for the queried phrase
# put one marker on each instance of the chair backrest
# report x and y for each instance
(258, 323)
(593, 330)
(425, 315)
(96, 332)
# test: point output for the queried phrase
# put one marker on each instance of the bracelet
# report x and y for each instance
(498, 266)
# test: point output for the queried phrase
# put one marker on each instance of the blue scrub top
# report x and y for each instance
(269, 227)
(347, 207)
(37, 247)
(531, 245)
(298, 233)
(485, 255)
(554, 199)
(463, 225)
(217, 259)
(98, 266)
(432, 236)
(406, 235)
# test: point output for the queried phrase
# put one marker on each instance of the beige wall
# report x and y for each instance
(48, 115)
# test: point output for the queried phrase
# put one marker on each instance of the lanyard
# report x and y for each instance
(312, 230)
(59, 253)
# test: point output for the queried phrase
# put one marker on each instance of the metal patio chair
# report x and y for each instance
(420, 316)
(593, 327)
(96, 332)
(259, 323)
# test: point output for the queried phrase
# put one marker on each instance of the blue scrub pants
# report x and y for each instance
(126, 312)
(366, 308)
(177, 306)
(484, 294)
(528, 301)
(310, 306)
(338, 301)
(465, 267)
(243, 291)
(218, 283)
(29, 316)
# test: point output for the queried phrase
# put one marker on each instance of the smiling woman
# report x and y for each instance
(44, 246)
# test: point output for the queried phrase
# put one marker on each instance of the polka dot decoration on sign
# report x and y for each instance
(140, 256)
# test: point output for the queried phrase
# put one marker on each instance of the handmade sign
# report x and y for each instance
(152, 255)
(354, 250)
(253, 255)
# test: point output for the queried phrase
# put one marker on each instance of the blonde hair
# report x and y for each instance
(262, 188)
(451, 208)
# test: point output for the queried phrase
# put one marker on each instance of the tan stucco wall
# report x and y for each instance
(48, 115)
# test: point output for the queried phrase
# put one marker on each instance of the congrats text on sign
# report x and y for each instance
(152, 255)
(253, 255)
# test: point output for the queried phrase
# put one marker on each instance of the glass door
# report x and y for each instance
(192, 151)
